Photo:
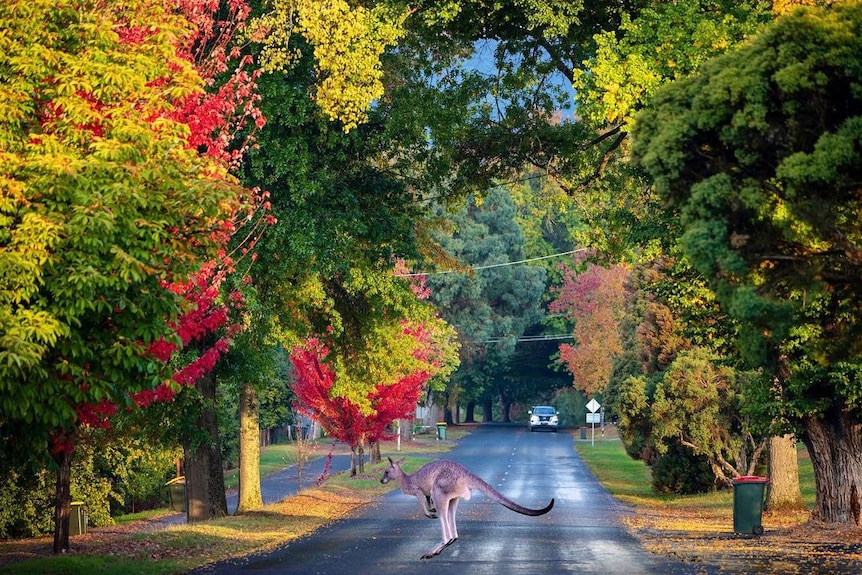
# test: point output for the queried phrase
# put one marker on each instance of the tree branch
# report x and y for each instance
(600, 168)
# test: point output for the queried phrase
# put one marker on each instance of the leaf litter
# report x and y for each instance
(790, 544)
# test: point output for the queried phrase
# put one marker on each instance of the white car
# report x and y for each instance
(543, 417)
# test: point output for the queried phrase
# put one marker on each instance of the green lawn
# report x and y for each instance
(178, 549)
(278, 456)
(629, 481)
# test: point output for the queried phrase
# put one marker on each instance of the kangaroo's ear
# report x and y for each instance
(390, 461)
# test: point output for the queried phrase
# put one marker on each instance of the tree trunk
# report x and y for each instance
(784, 492)
(204, 473)
(375, 452)
(469, 412)
(357, 459)
(488, 409)
(249, 497)
(505, 404)
(63, 500)
(835, 447)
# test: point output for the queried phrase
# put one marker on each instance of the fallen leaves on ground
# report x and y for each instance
(790, 544)
(205, 542)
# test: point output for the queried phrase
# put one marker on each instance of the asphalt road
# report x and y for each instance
(582, 534)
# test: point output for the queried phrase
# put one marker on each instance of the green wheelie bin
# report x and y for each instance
(748, 494)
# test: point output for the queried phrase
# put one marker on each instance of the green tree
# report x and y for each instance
(491, 308)
(696, 404)
(102, 202)
(760, 155)
(342, 217)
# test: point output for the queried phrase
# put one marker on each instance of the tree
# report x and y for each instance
(104, 201)
(696, 403)
(760, 155)
(491, 308)
(359, 423)
(594, 300)
(347, 41)
(251, 371)
(649, 48)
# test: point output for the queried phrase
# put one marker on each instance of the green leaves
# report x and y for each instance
(101, 200)
(760, 153)
(659, 44)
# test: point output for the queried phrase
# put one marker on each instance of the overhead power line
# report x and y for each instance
(529, 338)
(528, 260)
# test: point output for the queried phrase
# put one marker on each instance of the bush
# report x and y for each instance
(682, 472)
(121, 474)
(26, 503)
(571, 408)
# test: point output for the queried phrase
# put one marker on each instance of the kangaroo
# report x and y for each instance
(439, 485)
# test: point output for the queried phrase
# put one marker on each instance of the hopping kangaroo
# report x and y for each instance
(438, 486)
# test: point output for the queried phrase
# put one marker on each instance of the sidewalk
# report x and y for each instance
(274, 487)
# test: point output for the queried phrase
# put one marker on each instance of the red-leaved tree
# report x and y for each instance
(221, 122)
(595, 300)
(345, 420)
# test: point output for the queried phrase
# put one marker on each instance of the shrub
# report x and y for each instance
(26, 502)
(682, 472)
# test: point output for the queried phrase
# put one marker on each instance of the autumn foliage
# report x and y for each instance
(214, 118)
(346, 420)
(594, 300)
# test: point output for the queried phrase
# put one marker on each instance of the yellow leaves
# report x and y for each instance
(273, 31)
(347, 41)
(781, 7)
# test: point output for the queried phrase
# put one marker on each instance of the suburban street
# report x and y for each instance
(581, 534)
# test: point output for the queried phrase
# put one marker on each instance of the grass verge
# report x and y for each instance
(698, 529)
(134, 548)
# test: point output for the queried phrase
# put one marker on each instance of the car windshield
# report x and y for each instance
(543, 411)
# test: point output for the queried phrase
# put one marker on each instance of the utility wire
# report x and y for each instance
(529, 338)
(493, 265)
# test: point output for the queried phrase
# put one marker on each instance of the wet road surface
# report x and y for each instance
(582, 534)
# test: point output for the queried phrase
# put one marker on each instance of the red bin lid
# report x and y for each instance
(751, 479)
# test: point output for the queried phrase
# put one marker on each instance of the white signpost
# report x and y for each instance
(593, 418)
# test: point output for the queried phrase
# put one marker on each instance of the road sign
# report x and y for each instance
(594, 418)
(593, 405)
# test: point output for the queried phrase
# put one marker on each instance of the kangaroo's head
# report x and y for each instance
(393, 471)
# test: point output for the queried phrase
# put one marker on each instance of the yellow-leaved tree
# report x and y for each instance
(348, 41)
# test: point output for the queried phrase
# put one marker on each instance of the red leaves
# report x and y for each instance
(218, 118)
(132, 34)
(341, 418)
(218, 122)
(205, 316)
(594, 299)
(203, 364)
(96, 415)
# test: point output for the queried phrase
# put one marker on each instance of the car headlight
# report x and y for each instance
(534, 419)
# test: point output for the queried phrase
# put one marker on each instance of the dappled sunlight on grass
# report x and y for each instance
(699, 528)
(177, 549)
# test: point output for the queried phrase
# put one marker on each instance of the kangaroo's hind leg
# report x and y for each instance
(443, 510)
(453, 528)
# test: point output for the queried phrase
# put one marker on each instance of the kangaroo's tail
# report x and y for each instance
(488, 490)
